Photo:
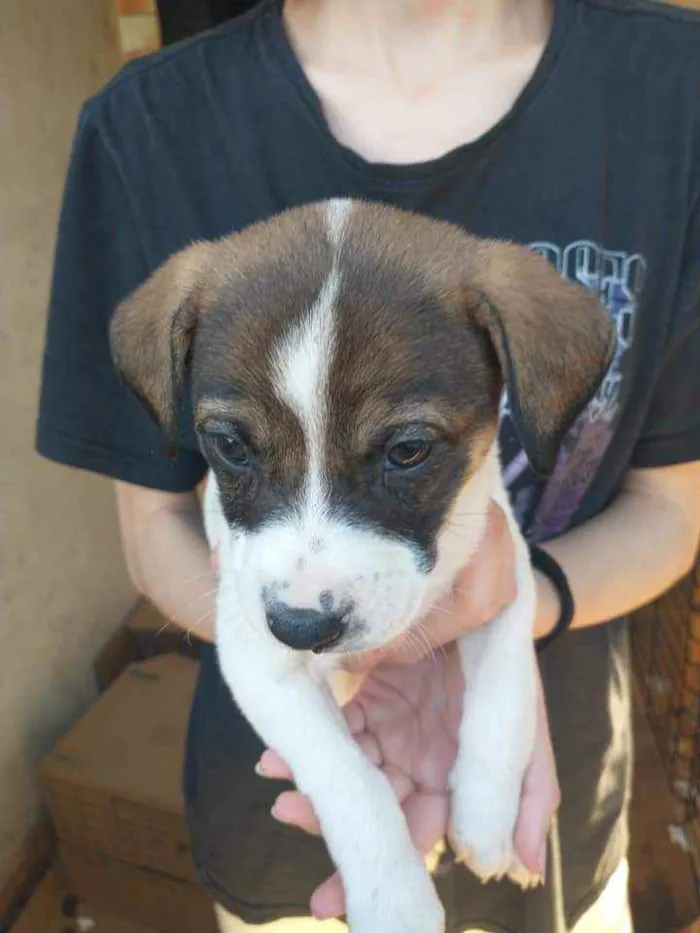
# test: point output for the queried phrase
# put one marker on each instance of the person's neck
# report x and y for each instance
(411, 40)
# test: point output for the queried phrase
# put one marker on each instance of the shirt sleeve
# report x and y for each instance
(87, 417)
(671, 432)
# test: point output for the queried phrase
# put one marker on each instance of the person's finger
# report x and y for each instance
(483, 588)
(539, 799)
(401, 783)
(294, 809)
(426, 816)
(355, 717)
(328, 900)
(368, 660)
(273, 767)
(370, 746)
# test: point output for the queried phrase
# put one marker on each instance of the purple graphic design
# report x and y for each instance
(515, 468)
(617, 278)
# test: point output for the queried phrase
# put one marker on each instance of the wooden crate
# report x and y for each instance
(666, 655)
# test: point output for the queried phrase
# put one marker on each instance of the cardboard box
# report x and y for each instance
(154, 635)
(52, 910)
(113, 786)
(145, 633)
(140, 895)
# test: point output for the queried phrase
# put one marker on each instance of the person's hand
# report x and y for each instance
(406, 718)
(481, 590)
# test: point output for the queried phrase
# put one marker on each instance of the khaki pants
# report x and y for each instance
(609, 914)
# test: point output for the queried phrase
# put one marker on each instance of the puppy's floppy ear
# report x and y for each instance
(151, 332)
(553, 338)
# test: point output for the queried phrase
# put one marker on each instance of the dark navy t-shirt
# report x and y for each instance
(597, 166)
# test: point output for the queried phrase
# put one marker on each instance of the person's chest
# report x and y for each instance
(553, 176)
(591, 187)
(404, 120)
(599, 205)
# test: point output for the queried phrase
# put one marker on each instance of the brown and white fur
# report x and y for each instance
(322, 346)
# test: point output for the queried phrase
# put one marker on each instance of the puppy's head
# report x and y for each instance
(346, 363)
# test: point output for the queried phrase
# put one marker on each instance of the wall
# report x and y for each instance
(63, 587)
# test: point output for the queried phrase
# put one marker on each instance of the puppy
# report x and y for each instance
(346, 363)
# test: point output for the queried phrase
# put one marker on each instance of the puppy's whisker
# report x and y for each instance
(421, 642)
(200, 576)
(432, 649)
(463, 533)
(413, 646)
(441, 649)
(200, 597)
(468, 514)
(443, 610)
(195, 625)
(221, 587)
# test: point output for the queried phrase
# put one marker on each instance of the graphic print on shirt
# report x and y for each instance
(547, 509)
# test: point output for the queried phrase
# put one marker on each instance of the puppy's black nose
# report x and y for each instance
(305, 629)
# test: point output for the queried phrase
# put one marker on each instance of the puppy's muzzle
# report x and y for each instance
(306, 629)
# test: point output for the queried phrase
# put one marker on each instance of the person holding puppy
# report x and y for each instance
(569, 126)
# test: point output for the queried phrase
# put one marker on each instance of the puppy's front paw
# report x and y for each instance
(483, 815)
(403, 901)
(522, 876)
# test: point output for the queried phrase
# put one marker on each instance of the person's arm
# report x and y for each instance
(641, 545)
(637, 548)
(646, 540)
(625, 557)
(167, 554)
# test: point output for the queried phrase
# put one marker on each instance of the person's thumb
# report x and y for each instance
(539, 800)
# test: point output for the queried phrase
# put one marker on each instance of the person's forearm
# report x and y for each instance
(169, 561)
(624, 558)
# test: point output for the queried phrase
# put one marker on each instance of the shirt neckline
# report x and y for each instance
(280, 56)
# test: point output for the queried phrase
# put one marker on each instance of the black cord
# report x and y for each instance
(546, 564)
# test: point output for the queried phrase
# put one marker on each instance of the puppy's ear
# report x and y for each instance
(151, 332)
(553, 338)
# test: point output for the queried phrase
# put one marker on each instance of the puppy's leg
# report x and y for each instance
(497, 730)
(387, 885)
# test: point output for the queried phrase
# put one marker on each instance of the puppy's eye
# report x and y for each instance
(408, 454)
(231, 451)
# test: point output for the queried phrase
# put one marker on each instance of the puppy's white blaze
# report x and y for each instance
(337, 212)
(300, 378)
(301, 372)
